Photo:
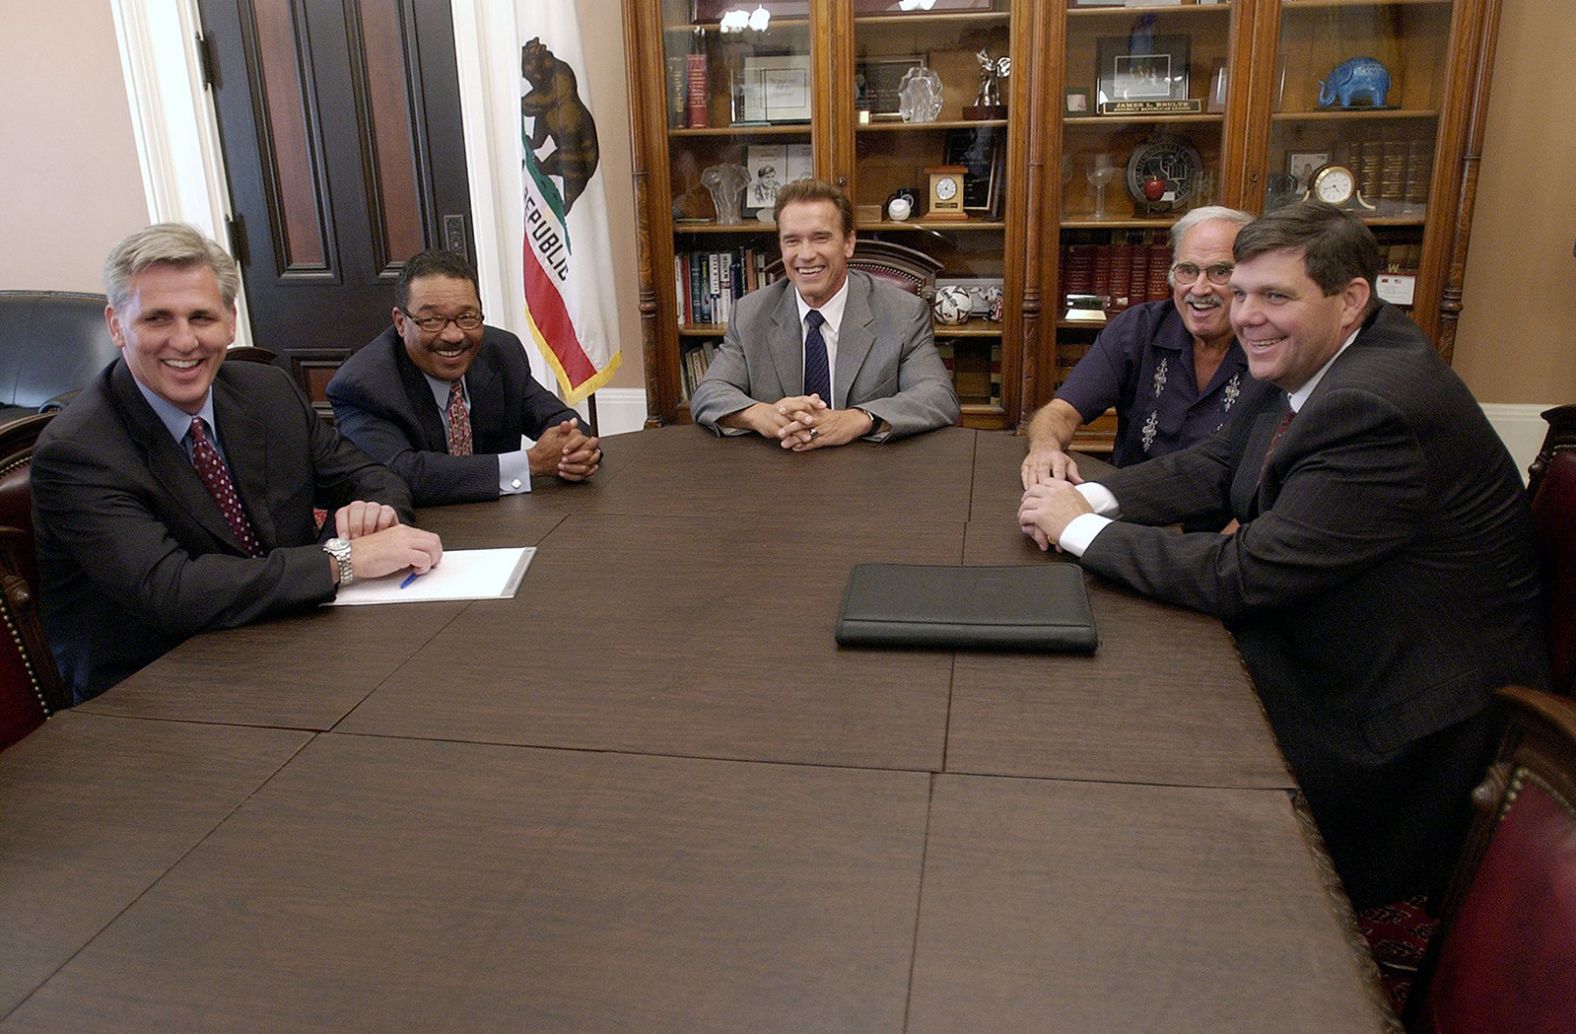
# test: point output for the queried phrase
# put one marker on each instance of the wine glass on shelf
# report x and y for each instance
(1100, 175)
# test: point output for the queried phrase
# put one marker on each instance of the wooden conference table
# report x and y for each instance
(651, 794)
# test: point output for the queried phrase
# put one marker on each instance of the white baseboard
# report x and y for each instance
(621, 410)
(1520, 428)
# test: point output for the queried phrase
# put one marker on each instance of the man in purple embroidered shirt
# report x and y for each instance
(1172, 368)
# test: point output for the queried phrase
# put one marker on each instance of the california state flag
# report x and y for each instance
(568, 267)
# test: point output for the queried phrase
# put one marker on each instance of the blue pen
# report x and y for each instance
(408, 579)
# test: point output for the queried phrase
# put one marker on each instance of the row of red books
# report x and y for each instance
(1123, 274)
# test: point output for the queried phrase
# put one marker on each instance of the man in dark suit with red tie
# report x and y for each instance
(175, 495)
(444, 399)
(1383, 579)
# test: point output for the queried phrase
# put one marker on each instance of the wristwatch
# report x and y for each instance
(339, 549)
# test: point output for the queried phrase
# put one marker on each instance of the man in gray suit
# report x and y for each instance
(828, 355)
(1384, 576)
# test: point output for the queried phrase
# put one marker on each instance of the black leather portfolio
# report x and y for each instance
(1032, 607)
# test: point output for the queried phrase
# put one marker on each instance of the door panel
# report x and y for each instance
(340, 121)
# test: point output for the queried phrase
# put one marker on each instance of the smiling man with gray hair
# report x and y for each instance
(175, 494)
(1171, 368)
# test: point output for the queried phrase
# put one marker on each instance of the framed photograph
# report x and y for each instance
(770, 167)
(777, 89)
(876, 80)
(1301, 165)
(980, 152)
(1159, 72)
(1075, 102)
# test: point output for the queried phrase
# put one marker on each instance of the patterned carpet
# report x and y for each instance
(1398, 936)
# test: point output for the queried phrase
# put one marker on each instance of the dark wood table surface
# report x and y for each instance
(650, 793)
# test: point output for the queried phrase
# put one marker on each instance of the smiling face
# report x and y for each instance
(1286, 324)
(447, 353)
(173, 328)
(1205, 306)
(815, 249)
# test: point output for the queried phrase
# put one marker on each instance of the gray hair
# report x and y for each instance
(167, 244)
(1180, 228)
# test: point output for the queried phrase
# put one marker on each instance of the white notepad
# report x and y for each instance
(462, 574)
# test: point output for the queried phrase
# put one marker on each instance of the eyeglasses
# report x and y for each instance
(436, 324)
(1185, 273)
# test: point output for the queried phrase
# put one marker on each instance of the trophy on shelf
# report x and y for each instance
(988, 102)
(726, 182)
(1100, 175)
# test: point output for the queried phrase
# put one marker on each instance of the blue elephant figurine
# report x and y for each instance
(1354, 78)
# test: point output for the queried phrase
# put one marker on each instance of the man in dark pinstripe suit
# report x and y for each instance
(1384, 577)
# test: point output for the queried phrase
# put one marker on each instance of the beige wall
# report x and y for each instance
(69, 184)
(1517, 339)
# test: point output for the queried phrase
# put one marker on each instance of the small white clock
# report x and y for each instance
(946, 192)
(1333, 184)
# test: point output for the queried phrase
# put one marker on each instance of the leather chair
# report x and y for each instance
(912, 270)
(30, 686)
(251, 354)
(51, 344)
(1552, 489)
(1504, 960)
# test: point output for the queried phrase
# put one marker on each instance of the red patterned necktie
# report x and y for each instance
(216, 478)
(1280, 430)
(459, 421)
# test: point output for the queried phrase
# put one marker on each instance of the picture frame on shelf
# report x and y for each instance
(771, 166)
(777, 89)
(876, 82)
(1160, 73)
(1075, 102)
(1301, 165)
(981, 152)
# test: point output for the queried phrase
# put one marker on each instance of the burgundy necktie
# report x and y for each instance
(1280, 430)
(216, 478)
(459, 421)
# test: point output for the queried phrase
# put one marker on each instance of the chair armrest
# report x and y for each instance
(59, 402)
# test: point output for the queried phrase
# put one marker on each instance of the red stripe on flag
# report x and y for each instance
(552, 319)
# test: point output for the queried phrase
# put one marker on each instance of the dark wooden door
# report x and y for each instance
(340, 122)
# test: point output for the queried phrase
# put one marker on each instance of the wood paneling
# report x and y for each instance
(395, 199)
(290, 137)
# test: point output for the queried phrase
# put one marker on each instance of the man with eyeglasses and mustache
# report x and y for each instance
(443, 400)
(1171, 368)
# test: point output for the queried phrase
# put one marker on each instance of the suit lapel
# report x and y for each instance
(246, 453)
(854, 338)
(486, 391)
(166, 459)
(422, 403)
(786, 345)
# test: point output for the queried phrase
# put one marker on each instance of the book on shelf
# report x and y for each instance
(1120, 273)
(710, 283)
(699, 90)
(678, 90)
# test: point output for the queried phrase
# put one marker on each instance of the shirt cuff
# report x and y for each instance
(1080, 532)
(514, 472)
(1099, 499)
